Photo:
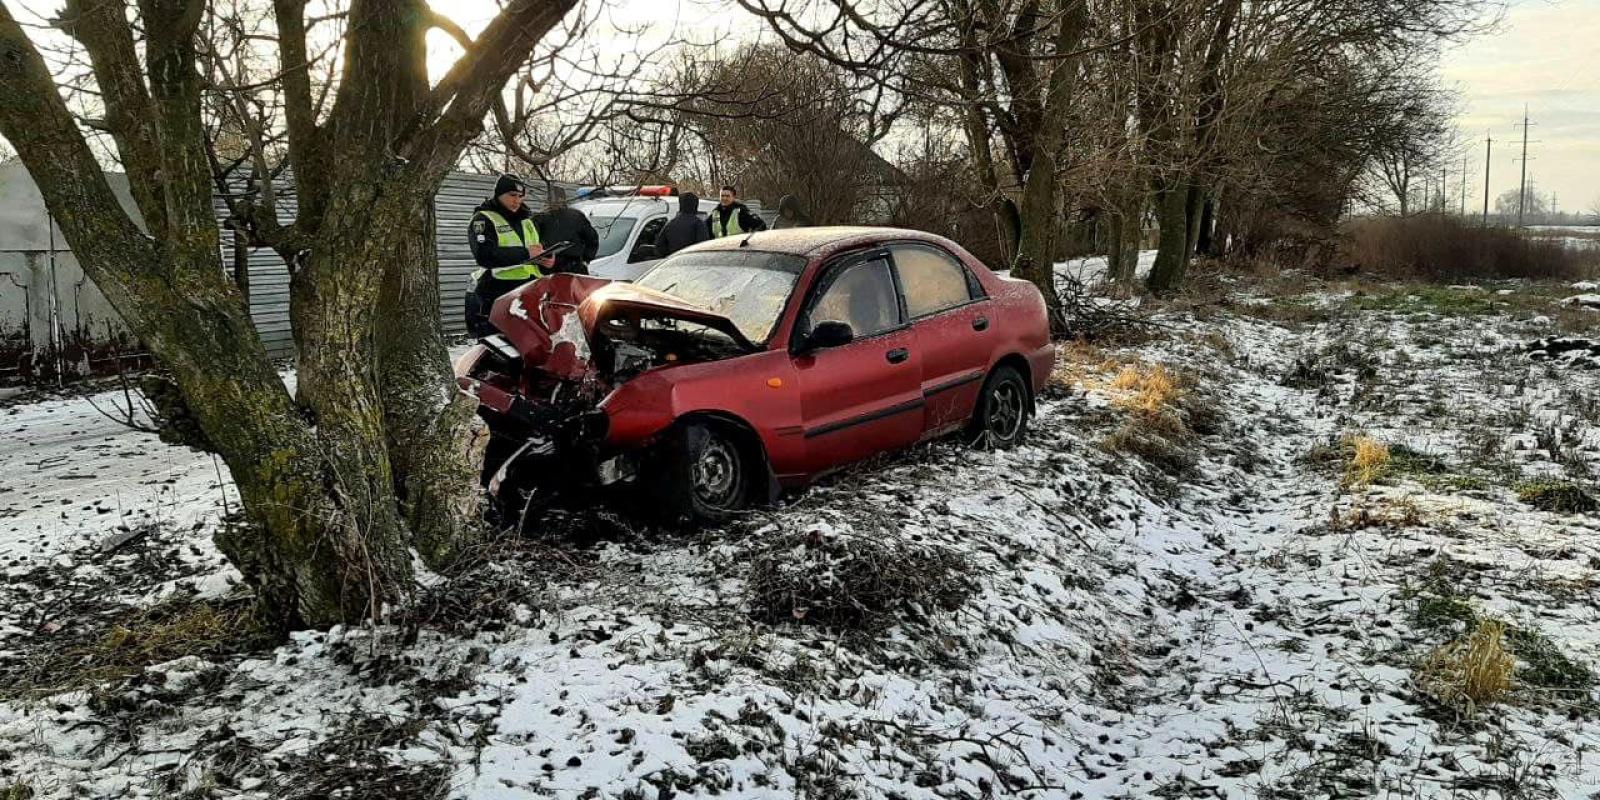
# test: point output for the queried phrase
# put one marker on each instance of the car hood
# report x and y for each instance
(552, 321)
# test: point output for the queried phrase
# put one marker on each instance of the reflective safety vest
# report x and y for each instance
(719, 228)
(506, 236)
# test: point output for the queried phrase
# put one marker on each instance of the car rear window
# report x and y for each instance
(748, 287)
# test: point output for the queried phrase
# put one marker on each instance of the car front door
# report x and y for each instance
(863, 397)
(642, 255)
(950, 317)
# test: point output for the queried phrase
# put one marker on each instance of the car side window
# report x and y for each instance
(932, 279)
(862, 295)
(647, 236)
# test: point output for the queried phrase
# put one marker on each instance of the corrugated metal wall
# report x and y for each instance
(460, 193)
(452, 211)
(269, 276)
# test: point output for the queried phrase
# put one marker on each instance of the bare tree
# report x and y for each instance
(1531, 203)
(1009, 68)
(343, 481)
(1412, 137)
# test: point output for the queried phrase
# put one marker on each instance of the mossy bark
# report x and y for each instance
(341, 482)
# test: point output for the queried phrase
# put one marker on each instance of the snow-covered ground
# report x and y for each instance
(73, 478)
(1229, 617)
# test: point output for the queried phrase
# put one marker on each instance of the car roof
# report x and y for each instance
(616, 205)
(823, 241)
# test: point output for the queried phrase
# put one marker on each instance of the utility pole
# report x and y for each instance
(1488, 152)
(1522, 194)
(1463, 186)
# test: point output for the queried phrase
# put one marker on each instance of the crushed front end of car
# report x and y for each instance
(565, 343)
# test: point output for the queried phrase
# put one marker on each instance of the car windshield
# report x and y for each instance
(614, 230)
(749, 288)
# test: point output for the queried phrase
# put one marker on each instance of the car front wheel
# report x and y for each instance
(1003, 410)
(702, 472)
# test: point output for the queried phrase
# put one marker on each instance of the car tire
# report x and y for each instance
(1004, 408)
(701, 471)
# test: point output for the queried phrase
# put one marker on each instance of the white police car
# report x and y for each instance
(628, 220)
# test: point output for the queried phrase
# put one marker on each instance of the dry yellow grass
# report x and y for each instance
(1472, 671)
(1150, 390)
(1368, 461)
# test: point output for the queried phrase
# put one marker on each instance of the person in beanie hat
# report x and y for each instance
(505, 245)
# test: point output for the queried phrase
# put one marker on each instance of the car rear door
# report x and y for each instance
(864, 397)
(953, 331)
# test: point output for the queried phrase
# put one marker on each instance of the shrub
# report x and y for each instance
(1472, 671)
(852, 578)
(1441, 247)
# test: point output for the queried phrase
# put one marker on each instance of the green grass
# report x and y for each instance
(1439, 612)
(1544, 665)
(1429, 299)
(1425, 298)
(1453, 482)
(1557, 496)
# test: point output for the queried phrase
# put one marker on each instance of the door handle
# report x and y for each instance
(980, 324)
(897, 355)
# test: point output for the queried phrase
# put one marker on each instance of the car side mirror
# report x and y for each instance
(831, 333)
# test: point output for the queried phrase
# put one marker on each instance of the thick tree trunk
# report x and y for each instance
(1127, 236)
(428, 423)
(1036, 255)
(1115, 250)
(1172, 252)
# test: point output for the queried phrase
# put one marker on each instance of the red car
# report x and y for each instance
(746, 365)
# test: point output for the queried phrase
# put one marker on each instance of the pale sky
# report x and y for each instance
(1545, 55)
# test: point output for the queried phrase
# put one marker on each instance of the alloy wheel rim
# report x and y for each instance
(1006, 410)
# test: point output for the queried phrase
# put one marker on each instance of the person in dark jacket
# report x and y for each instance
(505, 245)
(563, 223)
(684, 229)
(731, 217)
(790, 215)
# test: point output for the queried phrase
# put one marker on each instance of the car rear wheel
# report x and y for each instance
(1004, 407)
(702, 472)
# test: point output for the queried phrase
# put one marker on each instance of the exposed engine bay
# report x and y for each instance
(628, 344)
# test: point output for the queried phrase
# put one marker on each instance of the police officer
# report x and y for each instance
(505, 244)
(731, 217)
(562, 223)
